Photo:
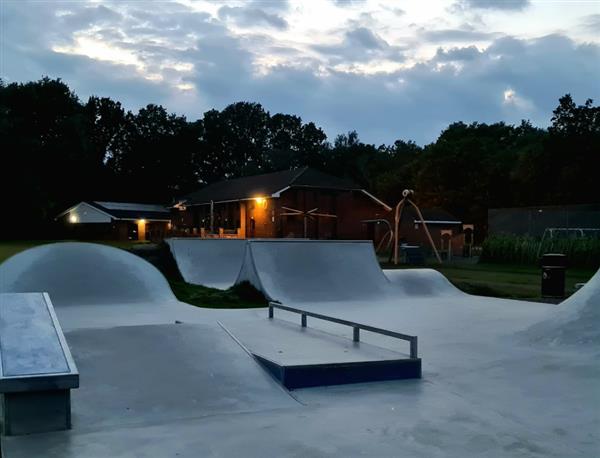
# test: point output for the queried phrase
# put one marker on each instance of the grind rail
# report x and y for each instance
(356, 327)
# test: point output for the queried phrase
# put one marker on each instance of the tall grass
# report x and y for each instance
(581, 252)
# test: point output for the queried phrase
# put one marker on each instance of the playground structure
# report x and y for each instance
(398, 216)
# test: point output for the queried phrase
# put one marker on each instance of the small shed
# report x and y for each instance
(116, 220)
(446, 230)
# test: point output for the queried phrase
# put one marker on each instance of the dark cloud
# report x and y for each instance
(269, 5)
(591, 22)
(343, 3)
(508, 5)
(466, 34)
(86, 16)
(365, 38)
(457, 54)
(245, 16)
(361, 45)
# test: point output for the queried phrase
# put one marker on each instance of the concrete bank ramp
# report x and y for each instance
(293, 271)
(76, 273)
(575, 321)
(209, 262)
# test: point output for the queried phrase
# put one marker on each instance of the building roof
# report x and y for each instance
(269, 185)
(128, 210)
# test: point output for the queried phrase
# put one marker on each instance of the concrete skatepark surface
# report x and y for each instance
(490, 387)
(210, 262)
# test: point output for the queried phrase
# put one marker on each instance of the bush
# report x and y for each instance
(581, 252)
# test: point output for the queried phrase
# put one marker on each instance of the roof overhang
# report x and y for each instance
(83, 202)
(433, 221)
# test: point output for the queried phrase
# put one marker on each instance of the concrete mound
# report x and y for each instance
(421, 282)
(76, 273)
(577, 320)
(214, 263)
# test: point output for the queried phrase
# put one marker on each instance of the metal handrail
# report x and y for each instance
(356, 327)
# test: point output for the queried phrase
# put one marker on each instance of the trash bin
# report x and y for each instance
(554, 267)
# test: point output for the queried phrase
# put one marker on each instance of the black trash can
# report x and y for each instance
(554, 267)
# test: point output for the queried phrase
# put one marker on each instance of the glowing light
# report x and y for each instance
(185, 87)
(141, 221)
(73, 219)
(261, 201)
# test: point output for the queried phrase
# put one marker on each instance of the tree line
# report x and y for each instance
(57, 150)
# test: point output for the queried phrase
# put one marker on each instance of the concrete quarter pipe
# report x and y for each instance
(209, 262)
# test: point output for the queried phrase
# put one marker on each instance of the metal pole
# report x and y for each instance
(437, 255)
(212, 217)
(414, 348)
(397, 218)
(303, 319)
(356, 334)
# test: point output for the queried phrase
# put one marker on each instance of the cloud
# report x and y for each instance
(191, 61)
(453, 35)
(346, 3)
(360, 45)
(245, 16)
(457, 54)
(507, 5)
(591, 22)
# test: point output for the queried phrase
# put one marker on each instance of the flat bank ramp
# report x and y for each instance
(76, 273)
(292, 271)
(162, 373)
(214, 263)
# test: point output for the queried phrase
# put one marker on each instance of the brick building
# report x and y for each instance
(303, 203)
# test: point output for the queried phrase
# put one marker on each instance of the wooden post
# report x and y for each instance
(242, 220)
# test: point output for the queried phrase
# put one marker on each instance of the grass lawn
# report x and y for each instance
(236, 297)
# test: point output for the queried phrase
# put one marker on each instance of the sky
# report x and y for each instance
(387, 69)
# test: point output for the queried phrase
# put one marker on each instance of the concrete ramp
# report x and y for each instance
(293, 271)
(575, 321)
(84, 274)
(214, 263)
(314, 271)
(421, 282)
(164, 373)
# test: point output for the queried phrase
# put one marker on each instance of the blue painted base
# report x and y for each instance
(311, 375)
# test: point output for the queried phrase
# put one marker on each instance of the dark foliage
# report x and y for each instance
(57, 150)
